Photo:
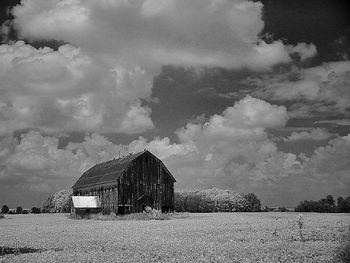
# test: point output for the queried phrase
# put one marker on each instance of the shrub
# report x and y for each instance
(36, 210)
(19, 210)
(300, 222)
(2, 216)
(5, 209)
(282, 209)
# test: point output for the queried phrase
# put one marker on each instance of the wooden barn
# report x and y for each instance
(129, 184)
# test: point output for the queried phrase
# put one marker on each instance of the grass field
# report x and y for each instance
(216, 237)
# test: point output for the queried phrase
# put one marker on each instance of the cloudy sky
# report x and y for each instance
(244, 95)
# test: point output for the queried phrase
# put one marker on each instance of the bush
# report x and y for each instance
(36, 210)
(5, 209)
(2, 216)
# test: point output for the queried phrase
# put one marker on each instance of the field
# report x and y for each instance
(216, 237)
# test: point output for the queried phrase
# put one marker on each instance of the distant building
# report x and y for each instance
(281, 209)
(129, 184)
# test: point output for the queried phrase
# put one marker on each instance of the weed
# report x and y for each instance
(300, 222)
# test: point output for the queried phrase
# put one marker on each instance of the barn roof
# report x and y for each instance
(86, 202)
(108, 171)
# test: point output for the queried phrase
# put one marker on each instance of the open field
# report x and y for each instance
(216, 237)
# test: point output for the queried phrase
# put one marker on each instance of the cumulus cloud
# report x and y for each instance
(329, 165)
(210, 33)
(98, 81)
(230, 150)
(68, 90)
(309, 89)
(303, 50)
(313, 134)
(35, 159)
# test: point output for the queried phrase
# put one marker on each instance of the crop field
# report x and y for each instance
(215, 237)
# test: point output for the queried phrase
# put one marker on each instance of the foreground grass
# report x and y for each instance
(224, 237)
(152, 215)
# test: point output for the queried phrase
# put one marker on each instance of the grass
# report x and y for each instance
(152, 215)
(216, 237)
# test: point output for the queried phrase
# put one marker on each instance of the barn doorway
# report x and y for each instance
(144, 201)
(124, 209)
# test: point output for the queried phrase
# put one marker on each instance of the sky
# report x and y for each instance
(252, 96)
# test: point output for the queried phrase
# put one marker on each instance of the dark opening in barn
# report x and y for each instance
(129, 184)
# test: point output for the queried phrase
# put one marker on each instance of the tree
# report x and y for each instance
(325, 205)
(59, 202)
(343, 205)
(210, 200)
(19, 210)
(5, 209)
(254, 204)
(330, 200)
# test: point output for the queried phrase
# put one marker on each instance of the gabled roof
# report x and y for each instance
(109, 171)
(86, 202)
(106, 172)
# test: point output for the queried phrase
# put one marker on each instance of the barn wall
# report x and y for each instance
(146, 183)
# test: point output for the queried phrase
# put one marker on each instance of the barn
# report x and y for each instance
(129, 184)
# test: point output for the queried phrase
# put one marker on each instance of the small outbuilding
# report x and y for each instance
(86, 205)
(129, 184)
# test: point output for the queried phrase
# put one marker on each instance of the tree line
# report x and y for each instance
(19, 210)
(209, 200)
(325, 205)
(216, 200)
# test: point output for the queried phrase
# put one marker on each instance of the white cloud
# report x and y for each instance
(244, 161)
(325, 83)
(313, 134)
(136, 120)
(97, 82)
(236, 142)
(185, 33)
(329, 165)
(304, 50)
(69, 90)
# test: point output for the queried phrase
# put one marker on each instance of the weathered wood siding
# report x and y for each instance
(145, 183)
